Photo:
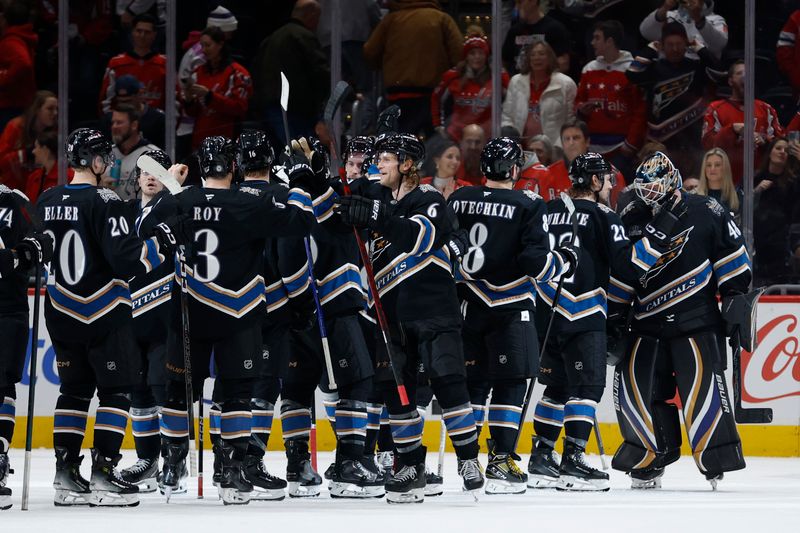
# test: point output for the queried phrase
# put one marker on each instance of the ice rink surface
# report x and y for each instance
(764, 497)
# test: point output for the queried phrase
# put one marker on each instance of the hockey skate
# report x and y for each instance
(351, 479)
(216, 477)
(543, 467)
(646, 479)
(575, 474)
(433, 483)
(71, 487)
(234, 488)
(174, 474)
(303, 480)
(143, 474)
(265, 485)
(108, 488)
(385, 462)
(471, 472)
(503, 476)
(714, 479)
(5, 492)
(407, 485)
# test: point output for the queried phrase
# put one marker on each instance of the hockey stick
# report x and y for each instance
(600, 447)
(553, 310)
(743, 415)
(154, 168)
(200, 445)
(26, 480)
(312, 281)
(442, 440)
(336, 99)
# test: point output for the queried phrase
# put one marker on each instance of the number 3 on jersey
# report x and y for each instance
(206, 242)
(474, 258)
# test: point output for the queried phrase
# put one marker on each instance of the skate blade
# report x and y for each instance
(646, 484)
(572, 483)
(234, 497)
(104, 498)
(68, 498)
(412, 496)
(180, 489)
(260, 494)
(351, 490)
(147, 485)
(537, 481)
(5, 503)
(296, 490)
(498, 486)
(433, 490)
(475, 493)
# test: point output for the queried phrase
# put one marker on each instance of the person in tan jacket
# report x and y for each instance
(414, 44)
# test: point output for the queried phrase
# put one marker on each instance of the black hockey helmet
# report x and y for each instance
(318, 146)
(358, 145)
(216, 155)
(84, 144)
(587, 165)
(253, 151)
(656, 179)
(499, 157)
(159, 156)
(404, 145)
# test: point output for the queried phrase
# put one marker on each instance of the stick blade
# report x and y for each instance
(568, 203)
(284, 92)
(759, 415)
(154, 168)
(340, 92)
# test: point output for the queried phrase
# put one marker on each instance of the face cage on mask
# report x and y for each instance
(652, 193)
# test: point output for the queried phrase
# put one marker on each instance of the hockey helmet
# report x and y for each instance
(404, 145)
(499, 157)
(253, 151)
(159, 156)
(84, 144)
(656, 179)
(358, 145)
(216, 155)
(587, 165)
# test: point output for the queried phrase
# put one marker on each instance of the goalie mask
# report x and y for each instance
(656, 179)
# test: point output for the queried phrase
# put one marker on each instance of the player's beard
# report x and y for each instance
(119, 139)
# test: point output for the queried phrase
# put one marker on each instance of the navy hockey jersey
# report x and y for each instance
(96, 253)
(13, 228)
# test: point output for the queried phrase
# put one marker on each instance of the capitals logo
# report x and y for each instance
(378, 244)
(676, 246)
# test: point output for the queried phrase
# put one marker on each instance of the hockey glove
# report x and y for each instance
(361, 212)
(458, 244)
(307, 173)
(302, 315)
(36, 249)
(172, 233)
(663, 225)
(635, 216)
(569, 255)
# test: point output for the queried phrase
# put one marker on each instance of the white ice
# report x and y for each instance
(764, 497)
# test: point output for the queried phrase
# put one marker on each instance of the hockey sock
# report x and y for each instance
(451, 391)
(235, 422)
(505, 412)
(145, 428)
(110, 423)
(213, 423)
(385, 442)
(351, 428)
(478, 394)
(8, 412)
(407, 435)
(579, 419)
(295, 420)
(174, 422)
(548, 418)
(263, 412)
(329, 401)
(69, 424)
(373, 427)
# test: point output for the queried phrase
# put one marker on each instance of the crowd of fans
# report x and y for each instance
(619, 77)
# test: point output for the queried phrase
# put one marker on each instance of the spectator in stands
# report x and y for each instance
(473, 139)
(414, 44)
(543, 148)
(675, 86)
(357, 22)
(446, 157)
(613, 107)
(17, 45)
(142, 62)
(45, 176)
(689, 185)
(703, 27)
(129, 144)
(192, 59)
(788, 51)
(17, 139)
(469, 86)
(127, 10)
(716, 181)
(539, 99)
(217, 97)
(776, 198)
(151, 119)
(723, 125)
(294, 50)
(534, 26)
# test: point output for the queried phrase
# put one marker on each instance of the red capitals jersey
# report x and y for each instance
(472, 103)
(226, 103)
(718, 132)
(620, 113)
(787, 52)
(150, 70)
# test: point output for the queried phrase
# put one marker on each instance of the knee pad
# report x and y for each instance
(509, 391)
(77, 390)
(591, 392)
(114, 399)
(301, 393)
(357, 391)
(237, 390)
(267, 388)
(451, 391)
(142, 397)
(8, 392)
(555, 394)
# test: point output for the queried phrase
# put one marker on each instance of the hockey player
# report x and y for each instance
(508, 245)
(573, 366)
(18, 252)
(149, 295)
(411, 255)
(223, 269)
(357, 155)
(88, 314)
(677, 339)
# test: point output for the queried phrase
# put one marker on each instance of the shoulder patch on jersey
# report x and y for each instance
(107, 195)
(604, 208)
(715, 207)
(530, 194)
(250, 190)
(424, 187)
